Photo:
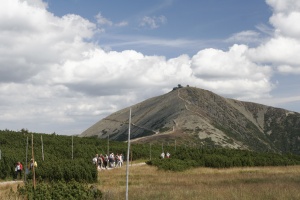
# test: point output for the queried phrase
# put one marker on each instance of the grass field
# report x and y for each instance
(6, 187)
(146, 182)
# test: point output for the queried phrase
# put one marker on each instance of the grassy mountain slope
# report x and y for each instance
(200, 117)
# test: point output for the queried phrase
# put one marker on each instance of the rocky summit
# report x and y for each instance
(194, 116)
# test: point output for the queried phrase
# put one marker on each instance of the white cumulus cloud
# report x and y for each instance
(232, 72)
(53, 77)
(281, 51)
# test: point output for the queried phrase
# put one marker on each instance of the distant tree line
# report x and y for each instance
(186, 158)
(61, 163)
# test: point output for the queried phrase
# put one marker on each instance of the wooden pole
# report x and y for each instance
(42, 148)
(26, 161)
(33, 170)
(72, 147)
(108, 144)
(150, 151)
(128, 151)
(131, 157)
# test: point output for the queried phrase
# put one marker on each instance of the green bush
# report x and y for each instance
(58, 163)
(59, 190)
(172, 164)
(186, 158)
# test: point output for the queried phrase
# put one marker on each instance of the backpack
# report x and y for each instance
(21, 166)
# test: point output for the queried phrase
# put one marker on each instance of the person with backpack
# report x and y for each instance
(18, 170)
(32, 164)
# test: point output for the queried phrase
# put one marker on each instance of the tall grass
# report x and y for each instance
(7, 190)
(146, 182)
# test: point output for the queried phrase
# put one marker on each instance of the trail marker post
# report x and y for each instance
(128, 151)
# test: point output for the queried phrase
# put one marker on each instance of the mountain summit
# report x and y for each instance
(199, 117)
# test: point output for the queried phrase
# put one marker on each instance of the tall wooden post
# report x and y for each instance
(72, 147)
(150, 151)
(26, 161)
(42, 148)
(128, 151)
(108, 144)
(33, 170)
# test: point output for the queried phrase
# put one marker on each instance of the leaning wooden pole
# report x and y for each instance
(150, 151)
(42, 148)
(26, 161)
(128, 151)
(72, 148)
(33, 161)
(107, 144)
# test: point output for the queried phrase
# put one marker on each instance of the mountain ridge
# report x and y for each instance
(201, 117)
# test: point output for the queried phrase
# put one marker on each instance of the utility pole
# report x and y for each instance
(33, 170)
(26, 161)
(42, 148)
(150, 151)
(175, 145)
(108, 144)
(72, 148)
(128, 151)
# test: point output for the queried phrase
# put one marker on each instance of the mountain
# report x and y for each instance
(194, 116)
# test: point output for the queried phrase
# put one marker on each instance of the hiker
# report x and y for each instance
(100, 161)
(18, 170)
(95, 160)
(119, 160)
(168, 155)
(105, 161)
(162, 155)
(32, 164)
(111, 159)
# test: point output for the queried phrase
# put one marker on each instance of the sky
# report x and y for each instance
(65, 65)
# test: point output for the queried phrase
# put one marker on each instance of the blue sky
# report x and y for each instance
(203, 23)
(64, 65)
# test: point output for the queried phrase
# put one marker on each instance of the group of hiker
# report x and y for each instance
(19, 168)
(108, 161)
(102, 161)
(163, 155)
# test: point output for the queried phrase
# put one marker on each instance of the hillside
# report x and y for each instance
(199, 117)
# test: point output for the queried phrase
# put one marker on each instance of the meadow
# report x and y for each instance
(190, 173)
(147, 182)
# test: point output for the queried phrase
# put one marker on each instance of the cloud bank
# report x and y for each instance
(53, 76)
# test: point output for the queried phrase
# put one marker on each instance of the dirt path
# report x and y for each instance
(10, 182)
(124, 166)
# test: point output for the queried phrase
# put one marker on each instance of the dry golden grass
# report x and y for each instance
(6, 188)
(146, 182)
